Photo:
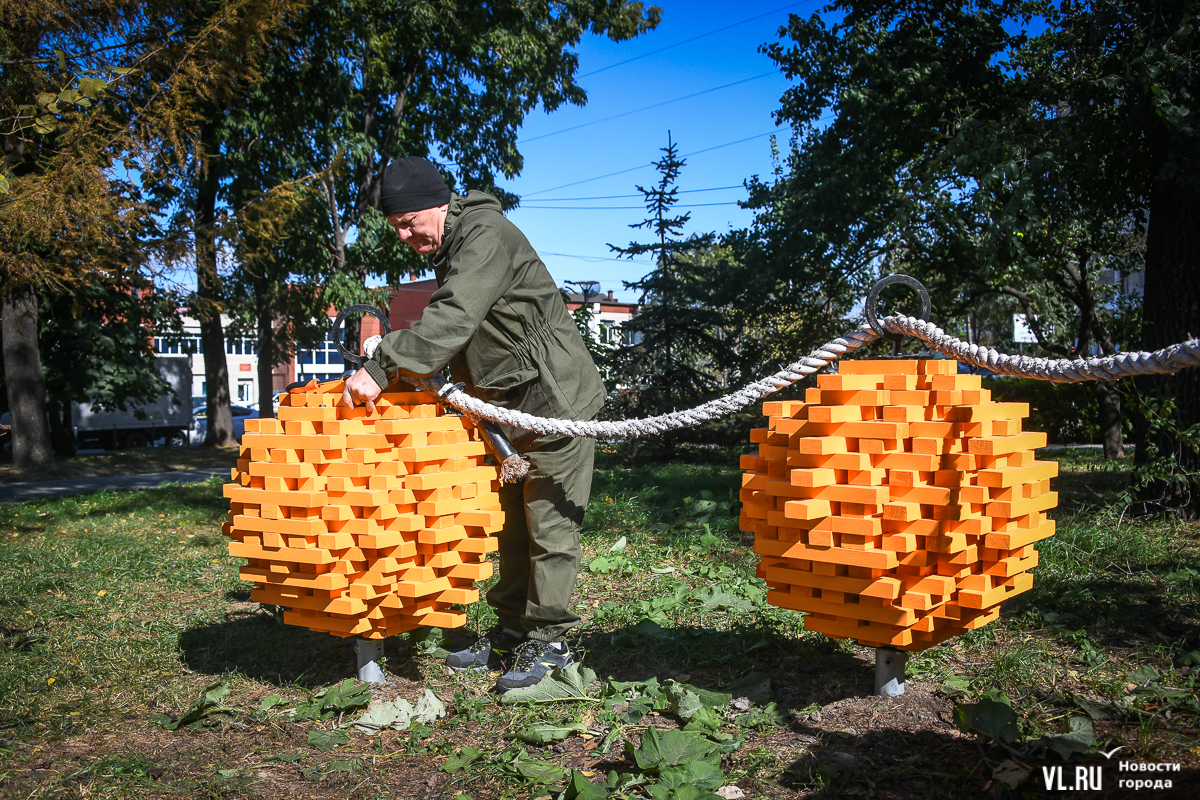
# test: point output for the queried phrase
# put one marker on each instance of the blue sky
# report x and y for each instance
(570, 234)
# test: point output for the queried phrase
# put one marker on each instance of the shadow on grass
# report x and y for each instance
(887, 762)
(203, 499)
(1132, 581)
(256, 645)
(810, 670)
(893, 762)
(1134, 611)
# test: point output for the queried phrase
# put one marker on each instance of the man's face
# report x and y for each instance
(420, 230)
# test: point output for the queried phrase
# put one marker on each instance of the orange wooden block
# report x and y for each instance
(324, 502)
(898, 504)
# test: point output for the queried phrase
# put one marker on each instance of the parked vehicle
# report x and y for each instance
(200, 422)
(166, 418)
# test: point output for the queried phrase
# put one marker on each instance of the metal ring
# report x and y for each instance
(873, 298)
(362, 308)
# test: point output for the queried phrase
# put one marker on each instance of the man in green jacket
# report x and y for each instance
(499, 321)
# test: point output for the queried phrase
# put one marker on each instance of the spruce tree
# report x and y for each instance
(666, 362)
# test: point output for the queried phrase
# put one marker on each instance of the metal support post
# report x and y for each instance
(370, 652)
(889, 671)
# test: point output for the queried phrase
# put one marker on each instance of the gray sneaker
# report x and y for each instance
(535, 660)
(491, 651)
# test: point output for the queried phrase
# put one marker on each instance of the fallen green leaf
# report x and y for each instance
(988, 718)
(671, 748)
(763, 717)
(327, 740)
(568, 684)
(208, 705)
(461, 759)
(269, 702)
(580, 788)
(1143, 675)
(755, 685)
(702, 774)
(1079, 738)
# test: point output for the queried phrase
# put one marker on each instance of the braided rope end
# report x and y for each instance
(513, 468)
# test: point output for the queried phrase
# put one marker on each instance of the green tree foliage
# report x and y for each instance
(668, 361)
(295, 180)
(444, 80)
(94, 92)
(999, 166)
(98, 346)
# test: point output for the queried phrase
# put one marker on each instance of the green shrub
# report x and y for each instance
(1067, 412)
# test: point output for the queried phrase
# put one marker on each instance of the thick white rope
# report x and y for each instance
(1108, 368)
(1060, 370)
(630, 428)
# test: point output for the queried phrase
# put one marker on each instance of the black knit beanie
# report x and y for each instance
(412, 184)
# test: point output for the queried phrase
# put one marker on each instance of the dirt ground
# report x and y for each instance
(841, 742)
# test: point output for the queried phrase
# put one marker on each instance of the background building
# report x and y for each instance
(406, 302)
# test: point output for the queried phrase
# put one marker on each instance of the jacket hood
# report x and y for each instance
(460, 205)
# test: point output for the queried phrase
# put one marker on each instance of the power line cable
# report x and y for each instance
(647, 108)
(644, 166)
(595, 258)
(620, 196)
(618, 208)
(692, 39)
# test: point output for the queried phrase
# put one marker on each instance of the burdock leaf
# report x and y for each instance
(705, 719)
(755, 685)
(956, 685)
(396, 715)
(536, 770)
(702, 774)
(348, 695)
(671, 748)
(269, 702)
(1143, 675)
(1079, 738)
(560, 685)
(686, 705)
(707, 699)
(327, 740)
(208, 704)
(763, 717)
(988, 718)
(429, 708)
(546, 734)
(580, 788)
(463, 758)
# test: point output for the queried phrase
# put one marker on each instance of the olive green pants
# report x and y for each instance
(539, 545)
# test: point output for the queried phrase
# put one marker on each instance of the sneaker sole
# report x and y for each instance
(502, 689)
(468, 669)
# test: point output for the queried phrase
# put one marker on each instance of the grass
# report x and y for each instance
(122, 462)
(115, 607)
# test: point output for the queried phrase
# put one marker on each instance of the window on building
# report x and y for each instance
(241, 347)
(325, 355)
(177, 345)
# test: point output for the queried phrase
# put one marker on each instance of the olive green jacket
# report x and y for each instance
(499, 321)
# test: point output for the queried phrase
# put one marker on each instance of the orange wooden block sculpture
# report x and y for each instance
(363, 524)
(897, 505)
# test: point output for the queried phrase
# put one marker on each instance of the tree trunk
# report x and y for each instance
(1108, 397)
(266, 347)
(352, 335)
(208, 292)
(24, 380)
(62, 432)
(1170, 314)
